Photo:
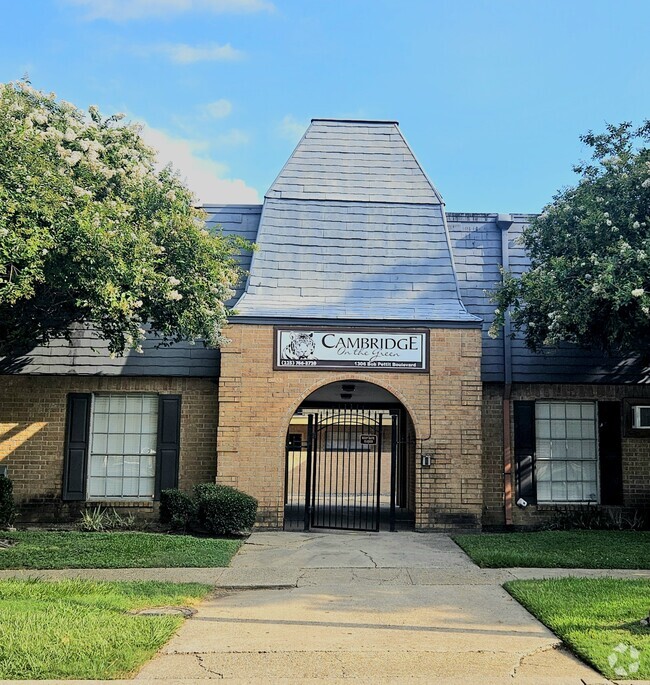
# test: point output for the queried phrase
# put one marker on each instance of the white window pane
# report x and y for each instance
(114, 465)
(543, 429)
(558, 410)
(131, 487)
(589, 470)
(588, 429)
(574, 471)
(132, 466)
(96, 487)
(543, 449)
(542, 410)
(574, 492)
(558, 449)
(149, 423)
(98, 465)
(113, 487)
(101, 403)
(543, 491)
(100, 423)
(134, 404)
(99, 443)
(116, 423)
(131, 443)
(118, 404)
(558, 429)
(115, 444)
(574, 429)
(573, 410)
(588, 449)
(148, 444)
(150, 404)
(589, 411)
(146, 487)
(558, 492)
(590, 491)
(543, 470)
(558, 470)
(132, 423)
(573, 449)
(148, 465)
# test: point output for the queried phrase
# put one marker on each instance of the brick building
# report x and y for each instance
(360, 389)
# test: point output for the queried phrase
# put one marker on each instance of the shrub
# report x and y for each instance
(592, 517)
(97, 520)
(222, 510)
(7, 506)
(177, 509)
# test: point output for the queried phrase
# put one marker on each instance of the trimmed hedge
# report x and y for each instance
(214, 509)
(7, 506)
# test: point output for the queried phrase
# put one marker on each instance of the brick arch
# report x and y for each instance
(321, 383)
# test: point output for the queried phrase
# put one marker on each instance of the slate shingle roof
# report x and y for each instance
(352, 228)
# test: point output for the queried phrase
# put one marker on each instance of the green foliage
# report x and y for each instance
(98, 519)
(91, 233)
(7, 506)
(177, 509)
(559, 548)
(78, 629)
(43, 550)
(589, 281)
(594, 616)
(597, 518)
(222, 510)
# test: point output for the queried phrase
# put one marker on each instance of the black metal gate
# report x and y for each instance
(342, 469)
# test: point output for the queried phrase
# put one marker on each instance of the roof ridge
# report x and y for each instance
(357, 121)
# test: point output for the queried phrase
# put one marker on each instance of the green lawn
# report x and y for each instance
(43, 550)
(563, 549)
(593, 617)
(80, 629)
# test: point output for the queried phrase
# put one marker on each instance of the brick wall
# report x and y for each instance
(32, 433)
(635, 449)
(257, 403)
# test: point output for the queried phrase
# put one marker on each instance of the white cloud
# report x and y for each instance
(203, 175)
(292, 129)
(219, 109)
(123, 10)
(231, 138)
(182, 53)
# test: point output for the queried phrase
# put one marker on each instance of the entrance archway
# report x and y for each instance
(350, 461)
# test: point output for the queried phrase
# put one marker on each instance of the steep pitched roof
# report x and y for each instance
(352, 228)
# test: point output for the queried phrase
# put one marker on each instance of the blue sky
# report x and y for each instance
(491, 95)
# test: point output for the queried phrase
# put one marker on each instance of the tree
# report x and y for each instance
(91, 233)
(589, 279)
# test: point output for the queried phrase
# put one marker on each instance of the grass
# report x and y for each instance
(563, 549)
(80, 629)
(593, 617)
(50, 550)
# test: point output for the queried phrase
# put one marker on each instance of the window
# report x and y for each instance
(124, 430)
(566, 467)
(641, 417)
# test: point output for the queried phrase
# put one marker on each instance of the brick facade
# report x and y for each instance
(257, 403)
(635, 448)
(32, 434)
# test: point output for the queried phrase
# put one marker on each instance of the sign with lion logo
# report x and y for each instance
(364, 349)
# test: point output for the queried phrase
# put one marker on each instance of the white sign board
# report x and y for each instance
(363, 349)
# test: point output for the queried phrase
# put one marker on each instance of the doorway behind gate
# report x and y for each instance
(349, 466)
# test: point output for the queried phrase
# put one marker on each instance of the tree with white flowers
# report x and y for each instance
(589, 279)
(92, 233)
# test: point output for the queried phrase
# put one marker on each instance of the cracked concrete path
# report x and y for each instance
(366, 608)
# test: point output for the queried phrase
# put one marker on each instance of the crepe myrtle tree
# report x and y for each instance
(92, 234)
(589, 278)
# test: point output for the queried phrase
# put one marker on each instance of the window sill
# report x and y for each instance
(122, 503)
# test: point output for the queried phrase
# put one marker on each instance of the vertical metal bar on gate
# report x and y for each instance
(379, 448)
(310, 447)
(393, 470)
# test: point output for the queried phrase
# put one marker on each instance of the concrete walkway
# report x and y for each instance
(368, 608)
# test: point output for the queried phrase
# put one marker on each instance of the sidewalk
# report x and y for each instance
(367, 608)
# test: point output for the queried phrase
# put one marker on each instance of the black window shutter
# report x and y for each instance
(610, 453)
(75, 459)
(524, 419)
(169, 442)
